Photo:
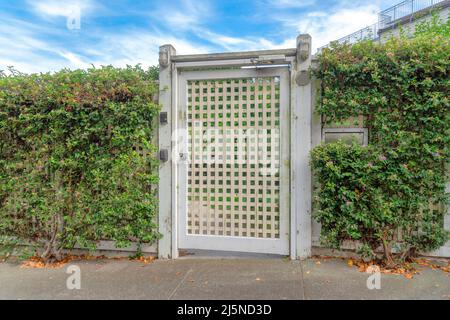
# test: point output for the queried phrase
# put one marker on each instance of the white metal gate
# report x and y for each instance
(233, 168)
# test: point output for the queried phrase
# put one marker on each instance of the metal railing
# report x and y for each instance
(388, 18)
(367, 33)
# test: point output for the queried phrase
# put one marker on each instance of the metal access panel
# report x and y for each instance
(233, 167)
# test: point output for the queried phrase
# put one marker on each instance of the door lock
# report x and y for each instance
(183, 156)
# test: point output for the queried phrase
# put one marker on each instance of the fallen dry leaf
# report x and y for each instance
(362, 267)
(324, 257)
(429, 264)
(372, 267)
(145, 260)
(38, 262)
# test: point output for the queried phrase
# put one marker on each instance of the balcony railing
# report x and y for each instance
(408, 8)
(388, 19)
(367, 33)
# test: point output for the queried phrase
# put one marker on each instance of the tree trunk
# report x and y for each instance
(53, 246)
(52, 251)
(390, 261)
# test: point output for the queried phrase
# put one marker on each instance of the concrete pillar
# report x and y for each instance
(165, 143)
(301, 102)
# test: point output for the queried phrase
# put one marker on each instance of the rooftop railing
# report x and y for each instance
(367, 33)
(404, 9)
(388, 19)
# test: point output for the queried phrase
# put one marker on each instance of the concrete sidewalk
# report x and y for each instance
(216, 278)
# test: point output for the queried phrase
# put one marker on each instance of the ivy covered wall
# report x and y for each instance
(391, 194)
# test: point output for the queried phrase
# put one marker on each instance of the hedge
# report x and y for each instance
(77, 162)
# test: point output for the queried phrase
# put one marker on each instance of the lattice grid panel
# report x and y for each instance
(234, 154)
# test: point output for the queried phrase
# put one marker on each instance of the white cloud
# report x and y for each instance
(291, 3)
(74, 59)
(194, 18)
(35, 47)
(245, 44)
(135, 46)
(54, 8)
(22, 48)
(324, 27)
(186, 15)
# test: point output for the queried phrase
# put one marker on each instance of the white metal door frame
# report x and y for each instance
(221, 243)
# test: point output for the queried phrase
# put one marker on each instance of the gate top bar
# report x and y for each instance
(232, 55)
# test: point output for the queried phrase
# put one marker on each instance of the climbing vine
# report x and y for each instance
(391, 194)
(77, 161)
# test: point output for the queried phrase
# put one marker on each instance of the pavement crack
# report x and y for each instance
(180, 283)
(303, 281)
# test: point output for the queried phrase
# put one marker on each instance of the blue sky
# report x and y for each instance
(35, 35)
